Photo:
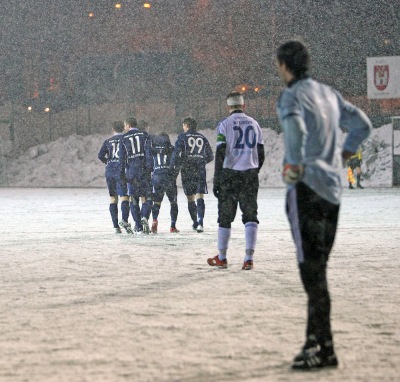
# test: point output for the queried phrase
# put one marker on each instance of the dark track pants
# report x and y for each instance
(313, 222)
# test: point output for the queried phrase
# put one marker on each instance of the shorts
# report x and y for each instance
(238, 188)
(194, 181)
(140, 187)
(164, 184)
(354, 162)
(116, 187)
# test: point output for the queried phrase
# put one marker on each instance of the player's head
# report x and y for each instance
(118, 126)
(164, 135)
(235, 101)
(189, 124)
(142, 125)
(130, 122)
(294, 56)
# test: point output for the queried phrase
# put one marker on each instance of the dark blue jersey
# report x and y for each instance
(159, 154)
(192, 151)
(109, 155)
(133, 154)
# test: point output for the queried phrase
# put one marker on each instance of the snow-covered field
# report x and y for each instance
(79, 303)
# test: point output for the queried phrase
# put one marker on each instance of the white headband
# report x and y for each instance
(235, 100)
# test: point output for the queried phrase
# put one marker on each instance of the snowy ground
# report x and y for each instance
(79, 303)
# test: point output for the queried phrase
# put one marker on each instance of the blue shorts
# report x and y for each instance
(164, 184)
(140, 186)
(116, 187)
(194, 181)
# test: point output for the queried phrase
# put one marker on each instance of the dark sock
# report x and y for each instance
(201, 208)
(114, 214)
(174, 214)
(125, 210)
(193, 211)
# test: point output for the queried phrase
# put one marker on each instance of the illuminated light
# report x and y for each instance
(90, 14)
(243, 88)
(29, 108)
(47, 109)
(386, 41)
(147, 5)
(256, 89)
(118, 6)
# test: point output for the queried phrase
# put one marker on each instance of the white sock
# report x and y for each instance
(250, 233)
(224, 235)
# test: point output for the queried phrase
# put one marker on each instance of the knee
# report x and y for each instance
(113, 199)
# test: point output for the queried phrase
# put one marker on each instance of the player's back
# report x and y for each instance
(161, 151)
(241, 134)
(194, 149)
(133, 152)
(109, 154)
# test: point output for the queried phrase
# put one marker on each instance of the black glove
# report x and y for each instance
(217, 190)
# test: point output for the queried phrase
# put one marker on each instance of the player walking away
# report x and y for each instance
(163, 181)
(310, 114)
(354, 163)
(239, 158)
(191, 154)
(137, 172)
(109, 154)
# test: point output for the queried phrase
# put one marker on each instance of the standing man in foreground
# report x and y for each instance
(239, 158)
(191, 154)
(310, 114)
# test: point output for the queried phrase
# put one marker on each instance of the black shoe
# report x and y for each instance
(316, 360)
(359, 186)
(311, 346)
(351, 187)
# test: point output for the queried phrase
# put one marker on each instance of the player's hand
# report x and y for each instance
(216, 190)
(291, 173)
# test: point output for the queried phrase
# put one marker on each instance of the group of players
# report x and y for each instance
(311, 114)
(142, 168)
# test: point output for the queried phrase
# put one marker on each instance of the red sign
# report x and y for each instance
(381, 76)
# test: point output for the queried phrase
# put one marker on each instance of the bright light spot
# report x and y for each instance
(386, 41)
(47, 109)
(118, 6)
(147, 5)
(90, 15)
(243, 88)
(256, 89)
(29, 108)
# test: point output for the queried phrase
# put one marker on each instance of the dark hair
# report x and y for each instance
(191, 123)
(295, 56)
(131, 121)
(118, 126)
(142, 125)
(164, 135)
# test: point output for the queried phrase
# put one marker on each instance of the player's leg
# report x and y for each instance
(122, 190)
(172, 195)
(189, 185)
(313, 222)
(158, 195)
(247, 188)
(192, 208)
(227, 207)
(358, 174)
(113, 207)
(114, 213)
(201, 207)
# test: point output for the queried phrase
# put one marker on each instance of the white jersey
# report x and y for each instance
(241, 134)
